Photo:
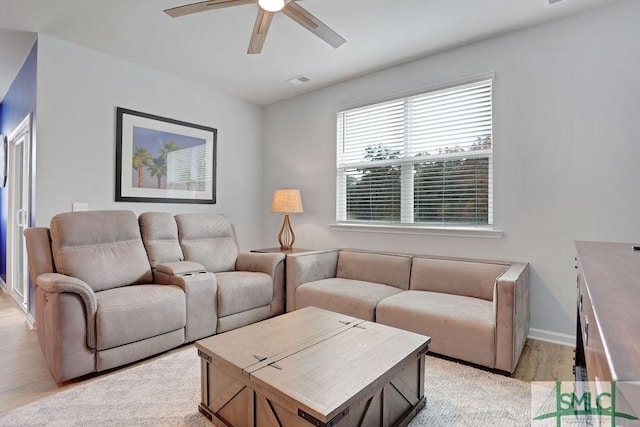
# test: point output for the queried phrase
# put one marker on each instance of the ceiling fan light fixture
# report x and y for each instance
(272, 5)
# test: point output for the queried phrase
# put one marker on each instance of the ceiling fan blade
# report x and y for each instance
(303, 17)
(188, 9)
(260, 29)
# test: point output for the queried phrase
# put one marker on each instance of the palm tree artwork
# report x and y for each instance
(152, 161)
(158, 166)
(168, 147)
(141, 159)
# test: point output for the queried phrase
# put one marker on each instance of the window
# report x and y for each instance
(425, 159)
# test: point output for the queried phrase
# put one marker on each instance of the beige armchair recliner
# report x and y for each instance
(97, 306)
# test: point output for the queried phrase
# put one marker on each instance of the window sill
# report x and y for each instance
(485, 232)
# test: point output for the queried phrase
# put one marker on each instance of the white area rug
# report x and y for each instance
(166, 392)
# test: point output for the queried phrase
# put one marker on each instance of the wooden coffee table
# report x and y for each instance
(313, 367)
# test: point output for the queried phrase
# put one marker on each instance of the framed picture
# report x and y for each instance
(164, 160)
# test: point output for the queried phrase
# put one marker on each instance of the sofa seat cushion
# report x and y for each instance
(239, 291)
(349, 297)
(460, 327)
(133, 313)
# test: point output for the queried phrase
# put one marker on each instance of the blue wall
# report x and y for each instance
(19, 101)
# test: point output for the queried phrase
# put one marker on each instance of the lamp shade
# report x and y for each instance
(272, 5)
(287, 201)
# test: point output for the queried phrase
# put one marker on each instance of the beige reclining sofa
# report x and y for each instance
(477, 311)
(107, 294)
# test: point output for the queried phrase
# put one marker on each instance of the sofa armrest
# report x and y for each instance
(271, 264)
(56, 283)
(259, 262)
(200, 289)
(39, 256)
(511, 305)
(308, 267)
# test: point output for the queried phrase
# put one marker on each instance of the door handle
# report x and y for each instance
(21, 219)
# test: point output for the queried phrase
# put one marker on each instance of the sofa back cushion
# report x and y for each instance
(102, 248)
(387, 269)
(465, 278)
(208, 239)
(160, 236)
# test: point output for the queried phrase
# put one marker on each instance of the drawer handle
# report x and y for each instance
(586, 332)
(275, 365)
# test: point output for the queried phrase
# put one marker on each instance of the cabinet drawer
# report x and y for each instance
(596, 359)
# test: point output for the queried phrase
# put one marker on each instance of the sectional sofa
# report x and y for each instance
(477, 311)
(111, 288)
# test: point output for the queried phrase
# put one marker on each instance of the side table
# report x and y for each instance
(283, 251)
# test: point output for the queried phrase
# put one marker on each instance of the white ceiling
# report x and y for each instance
(210, 47)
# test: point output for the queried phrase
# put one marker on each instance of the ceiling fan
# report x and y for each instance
(265, 14)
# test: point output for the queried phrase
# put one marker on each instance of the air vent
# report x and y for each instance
(552, 2)
(302, 79)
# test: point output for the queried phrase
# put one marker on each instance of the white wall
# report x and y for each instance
(566, 150)
(78, 92)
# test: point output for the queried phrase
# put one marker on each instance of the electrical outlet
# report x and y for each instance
(79, 206)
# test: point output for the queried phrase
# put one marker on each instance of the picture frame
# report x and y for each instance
(162, 160)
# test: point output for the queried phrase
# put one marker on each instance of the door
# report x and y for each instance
(18, 173)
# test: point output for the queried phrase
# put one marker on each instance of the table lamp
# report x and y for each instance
(286, 201)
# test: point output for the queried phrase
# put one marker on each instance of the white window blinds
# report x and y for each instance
(421, 159)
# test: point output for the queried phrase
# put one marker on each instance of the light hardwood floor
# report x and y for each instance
(23, 374)
(24, 377)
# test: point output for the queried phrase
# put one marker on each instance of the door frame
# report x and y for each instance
(22, 131)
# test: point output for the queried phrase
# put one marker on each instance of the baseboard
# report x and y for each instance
(552, 337)
(31, 321)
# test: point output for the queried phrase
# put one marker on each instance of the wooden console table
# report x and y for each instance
(608, 321)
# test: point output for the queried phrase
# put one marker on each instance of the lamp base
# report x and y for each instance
(286, 236)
